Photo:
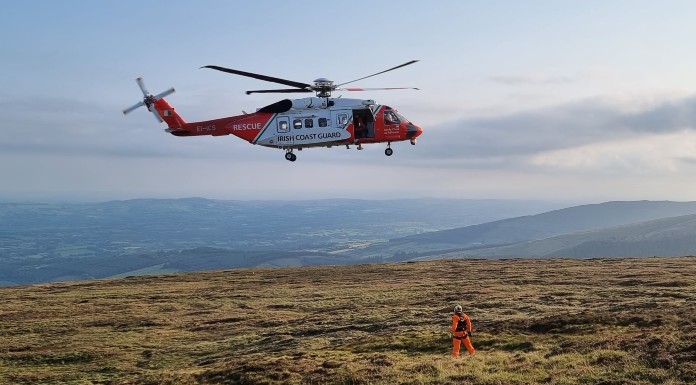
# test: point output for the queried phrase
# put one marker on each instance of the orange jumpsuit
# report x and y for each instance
(461, 328)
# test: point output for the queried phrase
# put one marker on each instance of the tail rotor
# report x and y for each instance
(148, 100)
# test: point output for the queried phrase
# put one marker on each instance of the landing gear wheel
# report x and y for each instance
(290, 156)
(388, 152)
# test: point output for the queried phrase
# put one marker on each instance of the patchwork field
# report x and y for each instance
(559, 321)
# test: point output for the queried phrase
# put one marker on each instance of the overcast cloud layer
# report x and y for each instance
(583, 101)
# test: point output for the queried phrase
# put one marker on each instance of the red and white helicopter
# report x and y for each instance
(320, 121)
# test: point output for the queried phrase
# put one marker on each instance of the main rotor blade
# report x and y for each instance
(260, 77)
(157, 115)
(141, 84)
(281, 91)
(378, 73)
(377, 89)
(165, 93)
(131, 109)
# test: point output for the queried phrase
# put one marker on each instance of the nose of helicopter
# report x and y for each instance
(413, 131)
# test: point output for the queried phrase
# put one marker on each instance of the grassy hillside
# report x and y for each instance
(612, 321)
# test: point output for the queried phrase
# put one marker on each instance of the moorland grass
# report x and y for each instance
(556, 321)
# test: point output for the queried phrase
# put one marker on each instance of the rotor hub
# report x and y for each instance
(323, 87)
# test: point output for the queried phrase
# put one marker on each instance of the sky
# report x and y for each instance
(577, 100)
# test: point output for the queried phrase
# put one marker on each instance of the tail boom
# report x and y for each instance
(247, 127)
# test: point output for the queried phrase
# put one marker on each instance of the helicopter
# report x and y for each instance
(294, 124)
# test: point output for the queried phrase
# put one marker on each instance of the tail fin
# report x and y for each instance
(159, 107)
(169, 115)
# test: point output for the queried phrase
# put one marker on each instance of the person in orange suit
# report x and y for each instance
(461, 332)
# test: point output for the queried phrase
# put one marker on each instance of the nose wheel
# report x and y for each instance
(388, 151)
(290, 156)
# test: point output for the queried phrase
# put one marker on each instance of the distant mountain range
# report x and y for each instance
(53, 242)
(642, 228)
(675, 236)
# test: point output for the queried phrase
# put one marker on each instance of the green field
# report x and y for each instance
(600, 321)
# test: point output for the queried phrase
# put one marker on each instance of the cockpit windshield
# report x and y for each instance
(393, 117)
(401, 117)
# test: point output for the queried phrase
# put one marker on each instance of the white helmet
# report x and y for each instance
(457, 308)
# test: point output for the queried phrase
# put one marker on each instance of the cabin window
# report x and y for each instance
(322, 122)
(297, 123)
(309, 123)
(342, 119)
(283, 125)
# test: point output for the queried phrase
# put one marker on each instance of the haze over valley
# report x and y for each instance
(59, 242)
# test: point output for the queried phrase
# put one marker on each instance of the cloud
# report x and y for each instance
(533, 79)
(511, 140)
(644, 154)
(69, 126)
(69, 146)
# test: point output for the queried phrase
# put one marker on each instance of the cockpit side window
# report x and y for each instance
(391, 118)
